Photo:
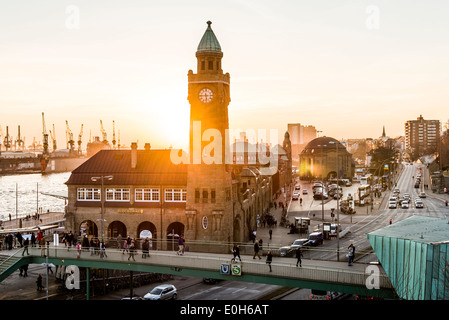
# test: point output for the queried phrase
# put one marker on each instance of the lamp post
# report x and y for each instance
(102, 199)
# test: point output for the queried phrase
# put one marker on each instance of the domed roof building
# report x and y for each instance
(319, 159)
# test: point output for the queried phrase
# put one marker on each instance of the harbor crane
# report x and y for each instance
(8, 140)
(53, 138)
(19, 142)
(103, 132)
(80, 140)
(44, 135)
(69, 135)
(113, 134)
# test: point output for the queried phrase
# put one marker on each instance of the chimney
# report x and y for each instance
(147, 146)
(133, 155)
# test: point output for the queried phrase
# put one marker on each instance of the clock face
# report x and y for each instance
(206, 95)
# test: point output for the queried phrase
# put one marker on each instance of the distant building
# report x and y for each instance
(422, 136)
(319, 159)
(300, 136)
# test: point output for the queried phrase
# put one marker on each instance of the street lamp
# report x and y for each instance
(102, 199)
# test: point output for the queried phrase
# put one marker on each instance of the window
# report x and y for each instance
(147, 194)
(88, 194)
(205, 196)
(212, 196)
(203, 65)
(197, 195)
(211, 65)
(117, 194)
(175, 195)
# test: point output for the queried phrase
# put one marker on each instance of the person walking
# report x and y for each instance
(103, 250)
(298, 256)
(146, 248)
(119, 241)
(270, 233)
(26, 243)
(39, 283)
(256, 250)
(33, 240)
(25, 270)
(349, 255)
(236, 252)
(269, 259)
(78, 249)
(132, 249)
(180, 246)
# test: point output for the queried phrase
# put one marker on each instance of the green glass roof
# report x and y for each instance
(209, 42)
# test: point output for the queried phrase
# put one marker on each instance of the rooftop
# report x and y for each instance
(417, 228)
(209, 42)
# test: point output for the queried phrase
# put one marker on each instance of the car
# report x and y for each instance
(333, 231)
(393, 205)
(319, 196)
(304, 191)
(297, 187)
(396, 191)
(162, 292)
(422, 194)
(315, 238)
(404, 204)
(295, 196)
(419, 205)
(289, 251)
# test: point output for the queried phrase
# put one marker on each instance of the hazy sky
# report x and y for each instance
(346, 67)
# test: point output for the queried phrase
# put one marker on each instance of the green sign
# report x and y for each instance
(236, 269)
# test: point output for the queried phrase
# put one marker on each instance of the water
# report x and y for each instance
(27, 198)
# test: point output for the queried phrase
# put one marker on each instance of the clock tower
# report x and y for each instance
(209, 183)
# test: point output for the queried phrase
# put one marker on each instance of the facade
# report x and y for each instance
(415, 255)
(146, 194)
(422, 136)
(319, 159)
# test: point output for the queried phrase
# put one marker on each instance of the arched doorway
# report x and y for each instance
(89, 228)
(117, 228)
(147, 229)
(174, 231)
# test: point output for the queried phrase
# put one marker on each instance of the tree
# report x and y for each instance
(381, 156)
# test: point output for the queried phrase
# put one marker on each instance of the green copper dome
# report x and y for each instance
(209, 42)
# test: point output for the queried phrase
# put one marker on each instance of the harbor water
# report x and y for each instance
(23, 194)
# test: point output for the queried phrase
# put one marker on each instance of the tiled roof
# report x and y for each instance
(154, 167)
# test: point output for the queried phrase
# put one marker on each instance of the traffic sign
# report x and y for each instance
(236, 269)
(225, 269)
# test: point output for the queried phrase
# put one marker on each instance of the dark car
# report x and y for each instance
(297, 187)
(289, 251)
(315, 238)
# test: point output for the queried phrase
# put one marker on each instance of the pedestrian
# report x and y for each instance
(92, 246)
(146, 248)
(85, 243)
(78, 249)
(26, 243)
(298, 256)
(33, 240)
(125, 246)
(119, 241)
(132, 249)
(42, 245)
(39, 283)
(349, 255)
(271, 233)
(103, 250)
(236, 252)
(180, 246)
(25, 270)
(19, 238)
(260, 244)
(300, 201)
(256, 250)
(269, 259)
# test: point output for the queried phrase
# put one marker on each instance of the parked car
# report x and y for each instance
(162, 292)
(315, 238)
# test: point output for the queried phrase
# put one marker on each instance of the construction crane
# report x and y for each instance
(103, 132)
(69, 135)
(1, 137)
(53, 138)
(80, 140)
(7, 140)
(113, 134)
(19, 143)
(44, 135)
